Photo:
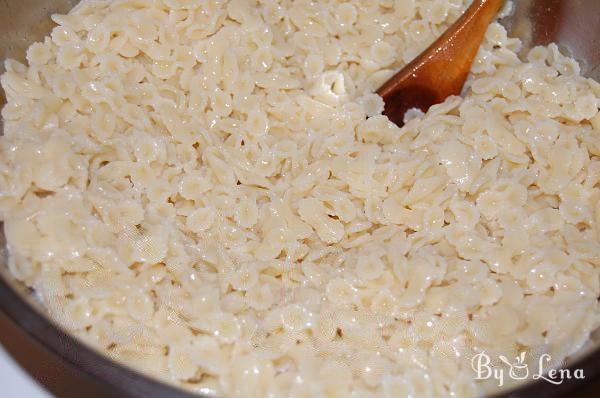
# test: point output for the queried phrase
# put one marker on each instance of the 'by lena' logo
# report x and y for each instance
(519, 370)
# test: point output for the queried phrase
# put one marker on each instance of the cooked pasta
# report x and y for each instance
(208, 192)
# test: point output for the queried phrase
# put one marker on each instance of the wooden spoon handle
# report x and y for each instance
(441, 70)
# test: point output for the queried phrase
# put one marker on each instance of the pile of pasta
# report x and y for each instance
(207, 191)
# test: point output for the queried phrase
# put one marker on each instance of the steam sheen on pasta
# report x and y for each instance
(206, 190)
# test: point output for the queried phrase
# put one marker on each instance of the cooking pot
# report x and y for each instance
(50, 353)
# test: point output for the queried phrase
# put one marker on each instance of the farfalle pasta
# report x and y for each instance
(208, 192)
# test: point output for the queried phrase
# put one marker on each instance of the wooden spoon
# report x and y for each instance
(440, 70)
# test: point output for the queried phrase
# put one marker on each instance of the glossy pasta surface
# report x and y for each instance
(206, 190)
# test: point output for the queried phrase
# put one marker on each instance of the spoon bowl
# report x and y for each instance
(441, 70)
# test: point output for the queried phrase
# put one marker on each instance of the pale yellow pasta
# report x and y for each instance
(339, 291)
(206, 353)
(346, 16)
(39, 53)
(209, 192)
(181, 365)
(200, 219)
(260, 298)
(369, 267)
(140, 307)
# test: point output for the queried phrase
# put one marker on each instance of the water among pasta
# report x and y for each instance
(206, 190)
